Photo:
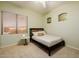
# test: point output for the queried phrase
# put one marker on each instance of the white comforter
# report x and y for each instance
(47, 40)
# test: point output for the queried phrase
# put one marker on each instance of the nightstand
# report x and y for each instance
(26, 39)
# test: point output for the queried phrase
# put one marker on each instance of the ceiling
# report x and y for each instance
(38, 6)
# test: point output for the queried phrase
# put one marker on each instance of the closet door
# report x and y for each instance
(22, 24)
(9, 23)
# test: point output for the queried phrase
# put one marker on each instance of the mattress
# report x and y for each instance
(47, 40)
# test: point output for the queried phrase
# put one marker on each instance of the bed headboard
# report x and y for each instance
(35, 30)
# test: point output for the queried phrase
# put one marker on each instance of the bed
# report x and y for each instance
(46, 40)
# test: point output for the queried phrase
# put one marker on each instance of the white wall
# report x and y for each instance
(68, 29)
(34, 20)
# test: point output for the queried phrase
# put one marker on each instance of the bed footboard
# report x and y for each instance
(49, 49)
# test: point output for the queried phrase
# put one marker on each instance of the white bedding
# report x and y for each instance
(47, 40)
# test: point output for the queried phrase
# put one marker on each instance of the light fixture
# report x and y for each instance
(23, 35)
(43, 3)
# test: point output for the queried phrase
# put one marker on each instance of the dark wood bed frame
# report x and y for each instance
(62, 43)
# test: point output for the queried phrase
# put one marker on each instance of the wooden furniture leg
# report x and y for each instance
(49, 51)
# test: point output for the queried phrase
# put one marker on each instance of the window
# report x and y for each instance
(9, 23)
(21, 24)
(13, 23)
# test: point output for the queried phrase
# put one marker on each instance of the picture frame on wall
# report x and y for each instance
(49, 20)
(62, 16)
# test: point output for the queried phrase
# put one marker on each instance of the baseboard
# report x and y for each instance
(72, 47)
(3, 46)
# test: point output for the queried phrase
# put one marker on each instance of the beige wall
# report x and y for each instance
(68, 29)
(34, 20)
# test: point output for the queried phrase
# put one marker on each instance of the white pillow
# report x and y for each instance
(42, 32)
(35, 33)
